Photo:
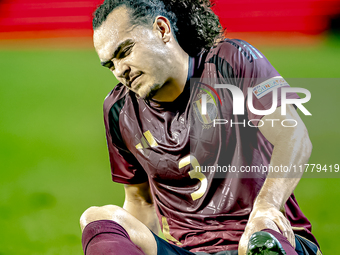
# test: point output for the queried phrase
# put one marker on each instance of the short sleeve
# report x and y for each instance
(249, 68)
(125, 168)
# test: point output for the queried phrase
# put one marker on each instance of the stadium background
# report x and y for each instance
(53, 157)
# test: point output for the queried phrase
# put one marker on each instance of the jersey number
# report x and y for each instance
(195, 174)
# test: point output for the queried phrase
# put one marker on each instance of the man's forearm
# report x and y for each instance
(290, 150)
(292, 147)
(139, 203)
(144, 212)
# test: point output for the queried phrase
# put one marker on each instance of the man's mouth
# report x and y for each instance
(132, 83)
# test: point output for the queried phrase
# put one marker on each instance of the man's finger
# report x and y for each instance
(291, 238)
(284, 225)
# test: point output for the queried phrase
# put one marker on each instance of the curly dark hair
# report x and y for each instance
(194, 25)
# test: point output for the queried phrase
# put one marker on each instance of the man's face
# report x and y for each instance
(135, 54)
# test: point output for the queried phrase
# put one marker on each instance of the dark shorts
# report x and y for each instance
(303, 247)
(163, 247)
(306, 247)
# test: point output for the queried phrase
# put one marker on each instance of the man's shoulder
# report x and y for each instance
(231, 45)
(234, 49)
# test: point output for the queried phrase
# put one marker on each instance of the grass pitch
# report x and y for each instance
(53, 156)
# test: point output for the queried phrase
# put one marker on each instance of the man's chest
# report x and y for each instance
(164, 142)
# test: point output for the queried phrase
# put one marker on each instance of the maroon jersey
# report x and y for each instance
(178, 149)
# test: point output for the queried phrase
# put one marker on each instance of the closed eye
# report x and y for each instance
(126, 51)
(123, 50)
(109, 64)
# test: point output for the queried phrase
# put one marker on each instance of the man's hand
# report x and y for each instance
(266, 217)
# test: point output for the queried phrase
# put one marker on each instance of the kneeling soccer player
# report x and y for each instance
(165, 146)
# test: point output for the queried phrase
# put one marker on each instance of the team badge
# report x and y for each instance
(211, 109)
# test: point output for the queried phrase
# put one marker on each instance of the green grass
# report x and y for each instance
(53, 156)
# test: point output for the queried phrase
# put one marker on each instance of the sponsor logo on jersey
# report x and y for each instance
(146, 141)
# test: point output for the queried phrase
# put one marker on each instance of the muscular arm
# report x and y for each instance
(291, 146)
(139, 203)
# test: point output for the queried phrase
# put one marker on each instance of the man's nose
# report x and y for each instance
(121, 69)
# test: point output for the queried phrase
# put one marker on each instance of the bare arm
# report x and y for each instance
(139, 203)
(291, 146)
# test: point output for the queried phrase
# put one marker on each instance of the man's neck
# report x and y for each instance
(174, 87)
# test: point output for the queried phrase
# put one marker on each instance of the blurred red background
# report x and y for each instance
(24, 19)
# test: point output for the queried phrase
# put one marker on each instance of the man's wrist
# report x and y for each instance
(265, 204)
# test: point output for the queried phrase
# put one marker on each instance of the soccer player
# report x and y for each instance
(161, 141)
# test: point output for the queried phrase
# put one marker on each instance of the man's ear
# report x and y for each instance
(163, 28)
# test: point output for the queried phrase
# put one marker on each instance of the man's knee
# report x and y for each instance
(106, 212)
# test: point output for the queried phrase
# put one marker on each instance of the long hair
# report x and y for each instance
(194, 25)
